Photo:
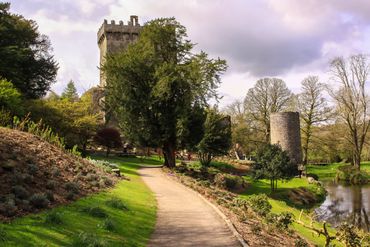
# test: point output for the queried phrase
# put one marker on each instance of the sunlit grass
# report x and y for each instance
(132, 227)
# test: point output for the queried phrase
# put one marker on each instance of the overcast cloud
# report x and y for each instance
(289, 39)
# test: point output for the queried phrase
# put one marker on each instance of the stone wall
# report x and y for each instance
(285, 131)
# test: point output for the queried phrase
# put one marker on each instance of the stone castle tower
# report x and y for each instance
(285, 130)
(114, 37)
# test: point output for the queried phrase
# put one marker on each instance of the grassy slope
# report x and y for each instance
(278, 206)
(133, 227)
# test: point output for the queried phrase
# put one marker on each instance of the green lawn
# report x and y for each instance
(327, 173)
(279, 204)
(132, 227)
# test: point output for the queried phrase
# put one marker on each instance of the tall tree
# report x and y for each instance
(157, 82)
(216, 138)
(25, 54)
(267, 96)
(352, 100)
(313, 110)
(70, 92)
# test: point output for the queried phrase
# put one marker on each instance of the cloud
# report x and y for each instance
(287, 38)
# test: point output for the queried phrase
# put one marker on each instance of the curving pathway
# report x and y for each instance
(183, 218)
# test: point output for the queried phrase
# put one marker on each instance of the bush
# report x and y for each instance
(350, 174)
(70, 195)
(8, 208)
(32, 169)
(108, 225)
(51, 184)
(53, 218)
(95, 212)
(72, 187)
(92, 177)
(50, 196)
(27, 178)
(281, 221)
(300, 242)
(55, 172)
(39, 200)
(108, 137)
(88, 240)
(20, 192)
(229, 182)
(116, 203)
(260, 204)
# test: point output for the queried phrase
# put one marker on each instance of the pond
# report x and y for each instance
(346, 203)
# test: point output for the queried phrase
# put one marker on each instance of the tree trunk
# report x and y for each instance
(169, 155)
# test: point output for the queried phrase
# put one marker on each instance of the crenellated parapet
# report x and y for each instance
(131, 28)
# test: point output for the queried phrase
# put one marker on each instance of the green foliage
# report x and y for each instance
(6, 118)
(108, 137)
(72, 187)
(352, 175)
(39, 200)
(260, 204)
(25, 54)
(20, 192)
(155, 84)
(228, 181)
(273, 163)
(54, 218)
(281, 221)
(108, 224)
(10, 98)
(70, 92)
(217, 137)
(116, 203)
(88, 240)
(95, 212)
(347, 234)
(77, 121)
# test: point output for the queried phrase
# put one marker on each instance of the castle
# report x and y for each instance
(114, 37)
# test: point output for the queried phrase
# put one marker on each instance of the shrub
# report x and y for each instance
(108, 225)
(107, 181)
(3, 234)
(351, 174)
(260, 204)
(72, 187)
(116, 203)
(70, 195)
(88, 240)
(50, 196)
(55, 172)
(281, 221)
(300, 242)
(51, 184)
(95, 212)
(39, 200)
(347, 234)
(227, 181)
(32, 169)
(92, 177)
(20, 192)
(8, 207)
(108, 137)
(53, 218)
(27, 178)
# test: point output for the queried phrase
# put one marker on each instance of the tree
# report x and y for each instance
(352, 100)
(156, 83)
(267, 96)
(273, 163)
(10, 98)
(70, 92)
(216, 138)
(313, 110)
(25, 55)
(108, 137)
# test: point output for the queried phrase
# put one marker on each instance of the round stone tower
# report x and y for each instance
(285, 131)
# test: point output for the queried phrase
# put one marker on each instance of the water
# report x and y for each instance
(349, 203)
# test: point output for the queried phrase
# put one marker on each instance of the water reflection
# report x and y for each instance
(346, 203)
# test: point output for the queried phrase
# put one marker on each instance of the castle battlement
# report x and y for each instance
(132, 27)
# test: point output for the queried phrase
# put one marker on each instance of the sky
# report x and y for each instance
(288, 39)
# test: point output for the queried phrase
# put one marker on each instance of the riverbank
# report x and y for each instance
(328, 172)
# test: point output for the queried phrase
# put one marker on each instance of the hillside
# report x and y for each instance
(35, 174)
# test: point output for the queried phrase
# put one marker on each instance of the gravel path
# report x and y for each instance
(183, 218)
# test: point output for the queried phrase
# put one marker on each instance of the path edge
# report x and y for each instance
(229, 224)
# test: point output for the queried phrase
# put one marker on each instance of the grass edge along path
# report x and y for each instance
(108, 226)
